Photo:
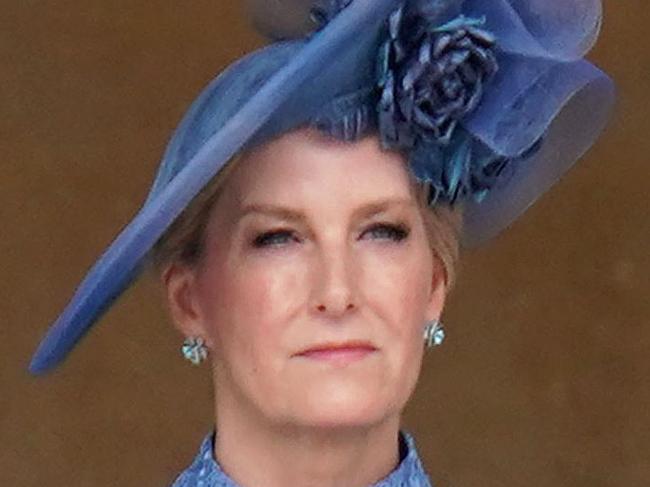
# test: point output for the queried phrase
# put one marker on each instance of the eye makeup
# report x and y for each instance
(395, 232)
(271, 238)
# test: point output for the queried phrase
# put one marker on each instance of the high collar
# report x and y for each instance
(206, 472)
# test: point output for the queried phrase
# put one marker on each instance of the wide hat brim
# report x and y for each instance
(552, 93)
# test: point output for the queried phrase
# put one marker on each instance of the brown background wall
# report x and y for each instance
(544, 379)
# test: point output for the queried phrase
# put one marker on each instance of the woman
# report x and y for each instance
(312, 292)
(312, 266)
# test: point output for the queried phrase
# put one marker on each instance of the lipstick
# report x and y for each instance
(340, 353)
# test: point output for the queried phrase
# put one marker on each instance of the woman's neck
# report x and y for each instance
(254, 454)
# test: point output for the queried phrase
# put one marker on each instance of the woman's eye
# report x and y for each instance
(382, 231)
(267, 239)
(389, 231)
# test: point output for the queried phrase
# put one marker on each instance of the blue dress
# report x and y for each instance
(205, 472)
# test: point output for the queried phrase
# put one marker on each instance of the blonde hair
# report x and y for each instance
(184, 240)
(443, 225)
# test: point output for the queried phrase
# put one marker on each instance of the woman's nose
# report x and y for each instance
(334, 284)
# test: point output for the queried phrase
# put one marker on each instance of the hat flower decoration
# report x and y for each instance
(489, 102)
(432, 77)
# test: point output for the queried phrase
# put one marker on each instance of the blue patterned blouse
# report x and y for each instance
(205, 471)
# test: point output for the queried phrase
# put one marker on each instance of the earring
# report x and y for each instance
(194, 350)
(434, 334)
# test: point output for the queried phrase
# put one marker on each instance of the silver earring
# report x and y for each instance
(434, 333)
(194, 350)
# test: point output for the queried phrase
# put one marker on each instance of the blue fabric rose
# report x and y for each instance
(430, 76)
(437, 97)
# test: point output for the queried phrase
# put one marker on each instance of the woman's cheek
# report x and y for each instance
(273, 287)
(397, 274)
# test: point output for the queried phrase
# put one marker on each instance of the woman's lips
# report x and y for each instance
(339, 355)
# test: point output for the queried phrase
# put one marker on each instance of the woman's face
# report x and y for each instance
(319, 244)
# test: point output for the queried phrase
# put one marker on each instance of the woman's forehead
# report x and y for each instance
(306, 164)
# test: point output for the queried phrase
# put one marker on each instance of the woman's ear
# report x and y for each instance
(180, 288)
(438, 293)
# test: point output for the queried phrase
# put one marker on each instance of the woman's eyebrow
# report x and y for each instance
(281, 212)
(292, 214)
(381, 206)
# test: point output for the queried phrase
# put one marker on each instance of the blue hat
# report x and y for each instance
(491, 102)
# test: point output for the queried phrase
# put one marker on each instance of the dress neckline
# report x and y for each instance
(206, 472)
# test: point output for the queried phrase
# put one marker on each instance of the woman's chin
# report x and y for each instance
(343, 407)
